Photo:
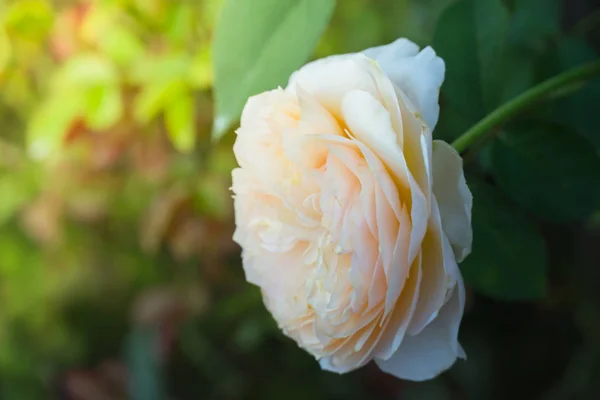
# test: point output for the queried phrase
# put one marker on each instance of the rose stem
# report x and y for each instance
(510, 109)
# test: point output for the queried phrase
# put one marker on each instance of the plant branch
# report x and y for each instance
(508, 110)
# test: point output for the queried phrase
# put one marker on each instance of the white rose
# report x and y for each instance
(351, 219)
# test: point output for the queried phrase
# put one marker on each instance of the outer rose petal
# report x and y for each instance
(454, 198)
(330, 78)
(435, 348)
(418, 74)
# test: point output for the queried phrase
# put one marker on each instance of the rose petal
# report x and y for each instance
(434, 283)
(418, 74)
(329, 79)
(394, 329)
(454, 198)
(435, 348)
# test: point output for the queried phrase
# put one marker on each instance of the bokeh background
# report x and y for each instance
(118, 275)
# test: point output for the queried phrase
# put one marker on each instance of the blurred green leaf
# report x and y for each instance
(155, 96)
(5, 49)
(50, 122)
(16, 192)
(30, 19)
(180, 122)
(85, 70)
(508, 260)
(257, 45)
(548, 170)
(180, 23)
(18, 92)
(164, 67)
(201, 73)
(104, 106)
(121, 45)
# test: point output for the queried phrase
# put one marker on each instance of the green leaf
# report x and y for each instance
(491, 21)
(49, 123)
(180, 23)
(85, 70)
(483, 68)
(5, 50)
(17, 192)
(179, 119)
(469, 37)
(257, 45)
(104, 106)
(200, 74)
(30, 19)
(121, 45)
(508, 260)
(549, 171)
(534, 24)
(155, 96)
(528, 37)
(580, 109)
(167, 67)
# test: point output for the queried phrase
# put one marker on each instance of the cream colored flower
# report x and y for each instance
(350, 218)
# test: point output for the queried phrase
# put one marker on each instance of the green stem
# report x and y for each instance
(524, 100)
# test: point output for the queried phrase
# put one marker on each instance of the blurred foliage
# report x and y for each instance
(118, 276)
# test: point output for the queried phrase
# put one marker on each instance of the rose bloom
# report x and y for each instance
(351, 219)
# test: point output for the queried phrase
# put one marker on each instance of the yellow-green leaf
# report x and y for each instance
(165, 68)
(50, 122)
(31, 19)
(121, 45)
(180, 122)
(20, 192)
(155, 96)
(85, 69)
(201, 69)
(104, 106)
(5, 50)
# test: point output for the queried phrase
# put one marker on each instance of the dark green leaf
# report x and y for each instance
(491, 19)
(455, 42)
(257, 45)
(508, 260)
(551, 172)
(533, 24)
(469, 37)
(579, 109)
